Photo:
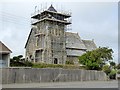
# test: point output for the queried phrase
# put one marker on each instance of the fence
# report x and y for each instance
(37, 75)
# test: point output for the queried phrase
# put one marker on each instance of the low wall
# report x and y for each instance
(37, 75)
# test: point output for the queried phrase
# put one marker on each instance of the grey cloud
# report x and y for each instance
(96, 21)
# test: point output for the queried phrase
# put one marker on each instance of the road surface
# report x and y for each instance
(84, 84)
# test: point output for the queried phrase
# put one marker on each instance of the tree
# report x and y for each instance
(19, 61)
(94, 60)
(112, 74)
(18, 58)
(112, 63)
(16, 61)
(70, 62)
(106, 69)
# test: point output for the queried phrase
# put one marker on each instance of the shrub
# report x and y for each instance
(43, 65)
(69, 62)
(112, 74)
(106, 69)
(29, 64)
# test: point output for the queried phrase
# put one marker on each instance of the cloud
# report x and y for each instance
(15, 37)
(91, 20)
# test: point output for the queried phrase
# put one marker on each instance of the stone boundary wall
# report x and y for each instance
(38, 75)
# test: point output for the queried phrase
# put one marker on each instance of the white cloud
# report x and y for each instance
(93, 20)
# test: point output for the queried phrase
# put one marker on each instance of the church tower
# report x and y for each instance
(49, 36)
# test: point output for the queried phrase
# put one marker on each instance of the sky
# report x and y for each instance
(92, 20)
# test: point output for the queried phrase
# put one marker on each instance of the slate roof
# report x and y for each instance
(75, 46)
(73, 40)
(90, 45)
(4, 49)
(51, 8)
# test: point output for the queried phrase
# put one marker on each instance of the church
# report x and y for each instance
(50, 42)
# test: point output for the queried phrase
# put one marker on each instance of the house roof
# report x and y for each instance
(51, 8)
(73, 40)
(90, 45)
(4, 49)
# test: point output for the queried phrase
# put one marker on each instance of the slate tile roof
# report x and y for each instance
(90, 45)
(73, 40)
(75, 46)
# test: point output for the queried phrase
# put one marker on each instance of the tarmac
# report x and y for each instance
(83, 84)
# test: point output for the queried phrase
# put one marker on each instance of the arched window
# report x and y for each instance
(55, 61)
(30, 56)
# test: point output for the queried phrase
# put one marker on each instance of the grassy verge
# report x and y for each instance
(43, 65)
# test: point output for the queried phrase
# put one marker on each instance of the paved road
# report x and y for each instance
(84, 84)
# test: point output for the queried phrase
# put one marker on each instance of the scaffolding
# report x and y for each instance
(50, 36)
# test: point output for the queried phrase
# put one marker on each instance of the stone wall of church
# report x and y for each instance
(74, 59)
(30, 48)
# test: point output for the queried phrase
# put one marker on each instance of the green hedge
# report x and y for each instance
(69, 62)
(43, 65)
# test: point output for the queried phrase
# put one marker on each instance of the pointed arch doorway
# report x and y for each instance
(55, 61)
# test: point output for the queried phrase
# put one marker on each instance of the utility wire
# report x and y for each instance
(5, 21)
(12, 14)
(4, 16)
(15, 18)
(10, 18)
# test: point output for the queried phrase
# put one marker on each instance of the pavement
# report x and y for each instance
(82, 84)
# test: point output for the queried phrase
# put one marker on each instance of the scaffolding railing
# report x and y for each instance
(56, 45)
(33, 21)
(58, 12)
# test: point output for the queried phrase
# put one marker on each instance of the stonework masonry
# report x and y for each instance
(49, 42)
